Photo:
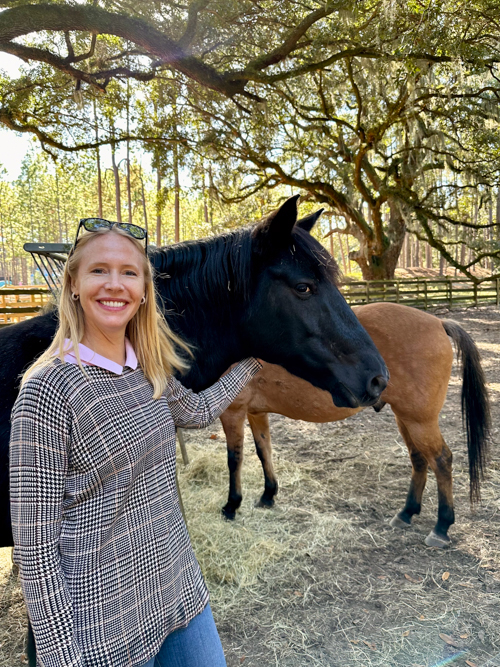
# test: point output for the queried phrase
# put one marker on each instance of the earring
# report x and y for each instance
(143, 300)
(74, 296)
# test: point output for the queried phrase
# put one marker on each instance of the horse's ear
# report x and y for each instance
(309, 221)
(277, 227)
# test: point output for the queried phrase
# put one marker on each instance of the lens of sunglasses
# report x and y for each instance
(93, 224)
(135, 231)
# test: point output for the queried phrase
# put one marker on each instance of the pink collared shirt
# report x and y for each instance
(90, 358)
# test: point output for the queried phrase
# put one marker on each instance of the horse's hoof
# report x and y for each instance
(439, 541)
(398, 522)
(265, 502)
(228, 513)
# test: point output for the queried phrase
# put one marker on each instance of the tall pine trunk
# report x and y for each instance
(129, 187)
(158, 203)
(98, 160)
(144, 207)
(116, 174)
(177, 189)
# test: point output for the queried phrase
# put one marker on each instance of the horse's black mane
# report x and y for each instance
(208, 268)
(220, 267)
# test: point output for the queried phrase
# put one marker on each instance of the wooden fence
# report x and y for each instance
(21, 303)
(423, 293)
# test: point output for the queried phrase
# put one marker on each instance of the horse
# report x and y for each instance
(419, 355)
(267, 290)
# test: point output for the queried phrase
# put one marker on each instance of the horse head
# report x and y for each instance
(299, 319)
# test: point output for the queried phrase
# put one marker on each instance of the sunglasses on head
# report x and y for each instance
(94, 224)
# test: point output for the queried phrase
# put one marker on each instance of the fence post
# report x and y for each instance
(498, 292)
(475, 294)
(449, 287)
(397, 291)
(425, 294)
(367, 291)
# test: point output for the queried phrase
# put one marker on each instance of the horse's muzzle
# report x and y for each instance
(343, 397)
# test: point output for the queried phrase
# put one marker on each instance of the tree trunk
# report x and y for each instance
(402, 256)
(116, 174)
(342, 253)
(211, 193)
(144, 208)
(176, 195)
(408, 250)
(98, 160)
(129, 188)
(158, 204)
(491, 235)
(379, 264)
(428, 256)
(24, 271)
(59, 224)
(498, 214)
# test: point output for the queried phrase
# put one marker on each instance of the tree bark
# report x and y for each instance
(144, 208)
(129, 187)
(428, 256)
(177, 189)
(380, 263)
(116, 174)
(58, 208)
(158, 204)
(98, 160)
(22, 20)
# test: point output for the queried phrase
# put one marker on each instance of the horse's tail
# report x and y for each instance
(475, 405)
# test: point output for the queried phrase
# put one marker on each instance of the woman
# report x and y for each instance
(108, 573)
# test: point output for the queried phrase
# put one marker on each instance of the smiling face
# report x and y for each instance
(110, 283)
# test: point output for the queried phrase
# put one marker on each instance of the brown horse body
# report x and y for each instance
(417, 350)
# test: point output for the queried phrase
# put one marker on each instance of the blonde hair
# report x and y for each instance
(151, 337)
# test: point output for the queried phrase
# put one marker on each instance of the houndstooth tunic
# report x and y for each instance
(107, 568)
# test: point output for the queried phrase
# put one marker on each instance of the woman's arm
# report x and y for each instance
(190, 410)
(38, 466)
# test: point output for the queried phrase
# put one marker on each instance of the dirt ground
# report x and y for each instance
(322, 579)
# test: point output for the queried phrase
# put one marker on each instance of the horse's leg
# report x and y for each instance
(233, 423)
(418, 479)
(259, 423)
(427, 447)
(442, 468)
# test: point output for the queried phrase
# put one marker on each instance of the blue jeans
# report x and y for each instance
(197, 645)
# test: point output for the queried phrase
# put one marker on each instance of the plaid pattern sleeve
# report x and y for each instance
(190, 410)
(38, 468)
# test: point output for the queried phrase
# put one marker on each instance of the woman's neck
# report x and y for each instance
(110, 345)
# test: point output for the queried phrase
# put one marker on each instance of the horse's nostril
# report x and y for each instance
(377, 385)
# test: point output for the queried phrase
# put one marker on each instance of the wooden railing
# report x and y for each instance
(21, 303)
(423, 293)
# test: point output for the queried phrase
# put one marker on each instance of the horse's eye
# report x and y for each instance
(302, 288)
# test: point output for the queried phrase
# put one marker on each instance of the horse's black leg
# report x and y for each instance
(259, 423)
(442, 468)
(233, 423)
(30, 647)
(418, 479)
(427, 447)
(414, 498)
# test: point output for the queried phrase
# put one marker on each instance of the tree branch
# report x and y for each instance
(25, 19)
(41, 55)
(284, 50)
(194, 9)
